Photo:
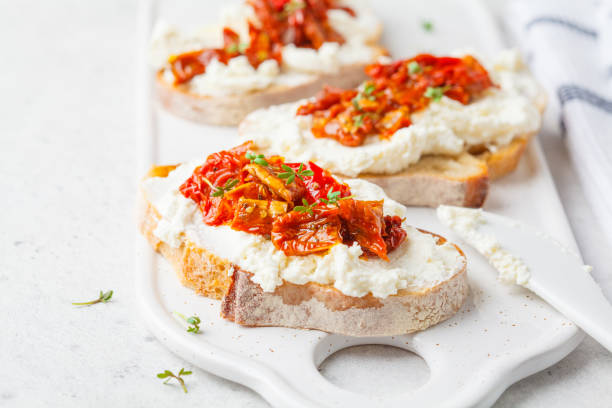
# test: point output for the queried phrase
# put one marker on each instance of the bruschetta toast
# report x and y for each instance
(264, 52)
(287, 244)
(429, 130)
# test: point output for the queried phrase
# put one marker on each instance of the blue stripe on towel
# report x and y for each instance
(562, 22)
(567, 93)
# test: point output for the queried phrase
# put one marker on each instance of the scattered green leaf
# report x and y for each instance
(103, 298)
(333, 197)
(168, 375)
(257, 159)
(232, 48)
(367, 93)
(358, 120)
(305, 208)
(289, 174)
(414, 67)
(193, 321)
(229, 184)
(436, 93)
(368, 89)
(427, 25)
(239, 48)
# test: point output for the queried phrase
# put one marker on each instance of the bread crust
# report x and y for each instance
(196, 268)
(405, 312)
(308, 306)
(435, 180)
(505, 160)
(230, 110)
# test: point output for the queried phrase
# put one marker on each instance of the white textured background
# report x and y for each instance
(67, 193)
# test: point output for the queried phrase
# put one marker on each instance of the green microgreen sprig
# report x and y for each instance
(367, 93)
(170, 375)
(436, 93)
(239, 48)
(193, 321)
(305, 208)
(358, 120)
(414, 67)
(289, 174)
(257, 159)
(333, 197)
(103, 298)
(220, 191)
(368, 89)
(427, 25)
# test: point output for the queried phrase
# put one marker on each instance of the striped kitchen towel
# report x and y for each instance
(568, 45)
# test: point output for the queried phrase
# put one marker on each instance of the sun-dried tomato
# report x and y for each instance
(364, 223)
(217, 170)
(320, 183)
(304, 233)
(394, 234)
(300, 22)
(187, 65)
(303, 208)
(393, 92)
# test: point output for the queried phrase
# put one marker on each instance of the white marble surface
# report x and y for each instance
(67, 177)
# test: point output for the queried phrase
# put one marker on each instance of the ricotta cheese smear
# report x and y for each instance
(417, 264)
(465, 222)
(300, 65)
(446, 127)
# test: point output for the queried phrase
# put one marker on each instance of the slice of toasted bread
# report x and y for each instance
(462, 180)
(436, 180)
(308, 306)
(505, 159)
(231, 109)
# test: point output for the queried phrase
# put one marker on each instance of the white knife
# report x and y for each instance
(556, 274)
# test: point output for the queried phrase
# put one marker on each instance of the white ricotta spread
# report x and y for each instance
(417, 264)
(444, 127)
(238, 76)
(465, 222)
(300, 65)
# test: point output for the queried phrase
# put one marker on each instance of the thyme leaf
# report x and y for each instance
(414, 67)
(257, 159)
(193, 321)
(358, 120)
(305, 208)
(333, 197)
(168, 375)
(239, 48)
(103, 298)
(229, 184)
(289, 174)
(367, 93)
(436, 93)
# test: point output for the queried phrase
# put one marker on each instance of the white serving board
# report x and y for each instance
(501, 335)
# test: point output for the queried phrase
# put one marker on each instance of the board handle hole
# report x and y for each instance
(375, 369)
